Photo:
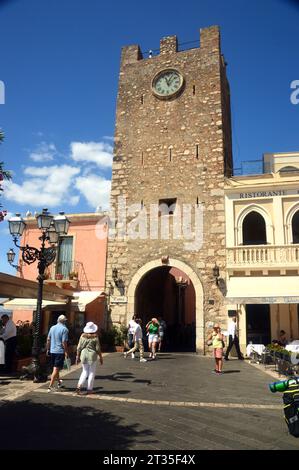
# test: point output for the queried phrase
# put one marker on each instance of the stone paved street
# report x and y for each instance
(174, 403)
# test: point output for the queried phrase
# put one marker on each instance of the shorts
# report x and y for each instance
(218, 352)
(153, 338)
(57, 360)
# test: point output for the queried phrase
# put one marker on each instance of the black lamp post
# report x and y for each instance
(51, 229)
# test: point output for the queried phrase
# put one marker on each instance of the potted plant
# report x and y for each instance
(121, 332)
(73, 275)
(58, 276)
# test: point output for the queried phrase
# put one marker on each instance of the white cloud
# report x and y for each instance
(95, 189)
(47, 186)
(43, 153)
(92, 152)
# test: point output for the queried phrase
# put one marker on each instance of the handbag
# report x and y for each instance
(67, 363)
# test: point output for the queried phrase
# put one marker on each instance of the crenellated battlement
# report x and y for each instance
(209, 42)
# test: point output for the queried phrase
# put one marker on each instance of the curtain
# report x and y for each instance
(65, 256)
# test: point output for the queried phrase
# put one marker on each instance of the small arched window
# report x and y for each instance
(254, 229)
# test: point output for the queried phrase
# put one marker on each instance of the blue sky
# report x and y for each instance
(60, 63)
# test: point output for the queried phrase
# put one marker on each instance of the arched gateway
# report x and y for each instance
(196, 283)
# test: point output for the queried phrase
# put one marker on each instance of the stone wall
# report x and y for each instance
(173, 149)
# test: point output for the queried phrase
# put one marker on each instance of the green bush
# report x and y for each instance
(115, 336)
(24, 345)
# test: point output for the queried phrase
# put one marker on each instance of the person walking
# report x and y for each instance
(131, 329)
(217, 339)
(162, 331)
(9, 336)
(88, 350)
(138, 343)
(233, 339)
(152, 329)
(58, 349)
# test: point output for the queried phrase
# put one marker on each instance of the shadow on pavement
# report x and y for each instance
(35, 426)
(230, 371)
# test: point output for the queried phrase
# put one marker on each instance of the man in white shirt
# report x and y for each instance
(233, 339)
(10, 338)
(138, 341)
(131, 328)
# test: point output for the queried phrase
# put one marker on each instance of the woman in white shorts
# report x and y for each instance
(153, 336)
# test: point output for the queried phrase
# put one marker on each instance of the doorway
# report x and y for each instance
(168, 292)
(258, 324)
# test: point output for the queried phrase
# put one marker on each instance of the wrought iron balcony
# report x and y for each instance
(65, 271)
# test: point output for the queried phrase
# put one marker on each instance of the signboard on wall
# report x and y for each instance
(120, 299)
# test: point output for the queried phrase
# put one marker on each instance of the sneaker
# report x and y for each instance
(125, 355)
(133, 355)
(51, 389)
(150, 355)
(143, 360)
(59, 385)
(78, 391)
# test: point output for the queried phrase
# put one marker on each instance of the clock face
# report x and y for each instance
(167, 83)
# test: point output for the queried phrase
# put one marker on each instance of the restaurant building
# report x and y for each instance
(262, 246)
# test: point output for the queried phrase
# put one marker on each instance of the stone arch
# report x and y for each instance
(240, 219)
(288, 223)
(199, 314)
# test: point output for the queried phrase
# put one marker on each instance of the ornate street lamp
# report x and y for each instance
(51, 228)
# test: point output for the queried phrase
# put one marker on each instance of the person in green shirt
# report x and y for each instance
(152, 329)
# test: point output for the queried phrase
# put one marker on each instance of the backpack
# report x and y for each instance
(291, 408)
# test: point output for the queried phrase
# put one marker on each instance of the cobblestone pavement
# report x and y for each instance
(173, 403)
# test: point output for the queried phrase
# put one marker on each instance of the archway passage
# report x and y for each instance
(168, 292)
(254, 229)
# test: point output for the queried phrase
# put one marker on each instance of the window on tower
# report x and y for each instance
(167, 206)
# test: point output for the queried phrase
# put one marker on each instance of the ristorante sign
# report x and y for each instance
(258, 194)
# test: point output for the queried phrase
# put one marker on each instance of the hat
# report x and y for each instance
(90, 327)
(61, 318)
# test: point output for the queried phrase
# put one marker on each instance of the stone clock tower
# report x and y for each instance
(172, 149)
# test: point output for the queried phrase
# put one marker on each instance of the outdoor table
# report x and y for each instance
(292, 347)
(255, 348)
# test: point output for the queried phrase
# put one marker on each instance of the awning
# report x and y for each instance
(81, 299)
(263, 290)
(29, 304)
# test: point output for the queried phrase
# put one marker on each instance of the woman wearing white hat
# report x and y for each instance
(87, 351)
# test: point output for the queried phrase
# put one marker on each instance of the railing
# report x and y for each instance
(65, 270)
(263, 256)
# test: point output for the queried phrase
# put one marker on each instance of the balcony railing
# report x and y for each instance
(263, 256)
(66, 270)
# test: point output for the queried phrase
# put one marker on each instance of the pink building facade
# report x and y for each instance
(80, 266)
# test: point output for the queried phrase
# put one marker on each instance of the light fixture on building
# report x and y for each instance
(11, 257)
(16, 225)
(114, 275)
(216, 273)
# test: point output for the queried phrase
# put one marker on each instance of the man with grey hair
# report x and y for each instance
(57, 348)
